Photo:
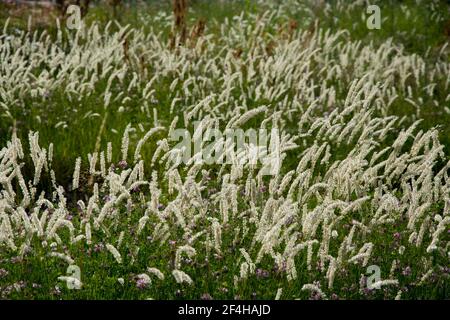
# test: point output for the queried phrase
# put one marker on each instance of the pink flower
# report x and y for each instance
(123, 164)
(206, 296)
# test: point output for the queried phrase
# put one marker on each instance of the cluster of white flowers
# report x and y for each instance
(378, 181)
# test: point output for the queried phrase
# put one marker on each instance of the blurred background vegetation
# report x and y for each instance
(418, 31)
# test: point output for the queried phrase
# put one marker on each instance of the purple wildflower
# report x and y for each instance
(206, 296)
(261, 273)
(406, 271)
(367, 291)
(15, 260)
(280, 269)
(123, 164)
(315, 296)
(56, 291)
(99, 247)
(7, 291)
(141, 283)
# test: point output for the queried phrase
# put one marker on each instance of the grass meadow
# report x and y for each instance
(94, 205)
